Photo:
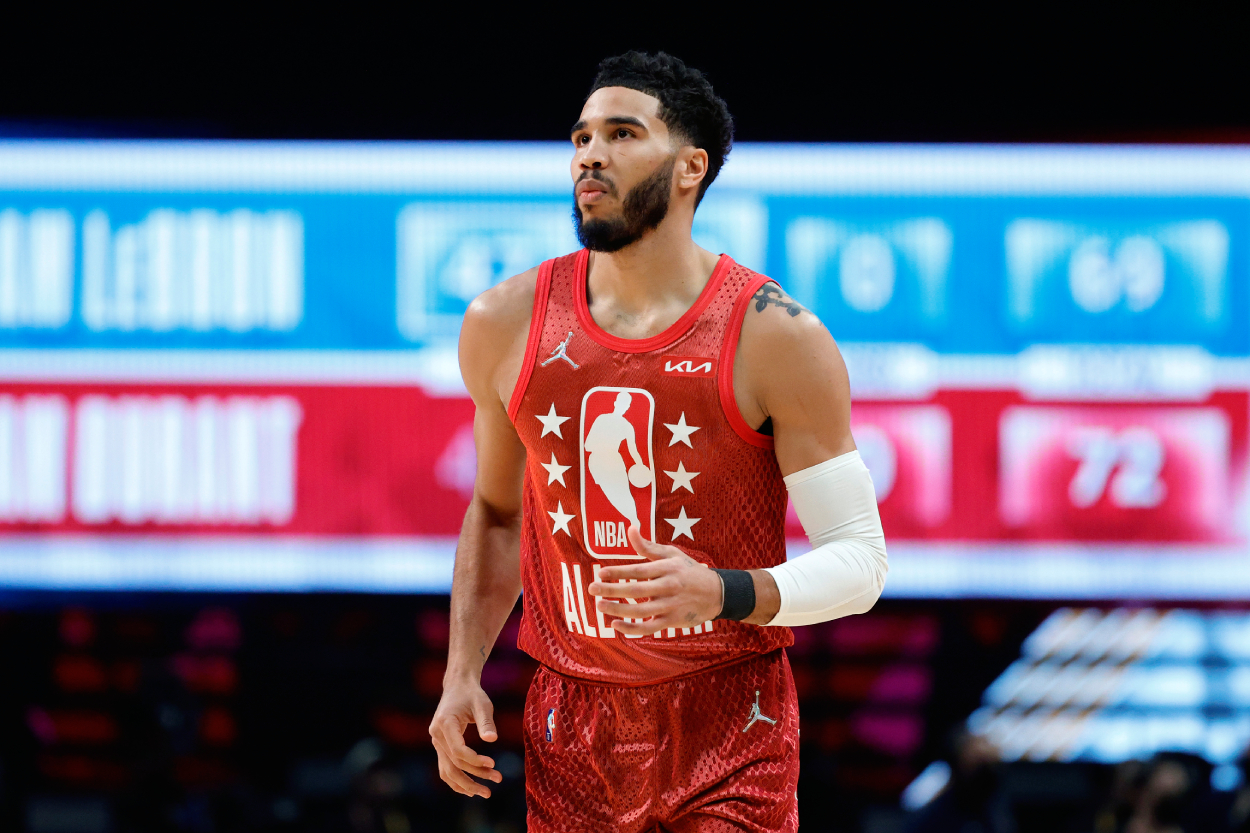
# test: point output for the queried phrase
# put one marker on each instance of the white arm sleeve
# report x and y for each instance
(845, 573)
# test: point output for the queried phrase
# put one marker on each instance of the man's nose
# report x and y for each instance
(593, 156)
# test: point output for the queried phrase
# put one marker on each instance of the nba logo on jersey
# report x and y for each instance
(618, 475)
(551, 723)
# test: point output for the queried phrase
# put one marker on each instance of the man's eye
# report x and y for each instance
(622, 133)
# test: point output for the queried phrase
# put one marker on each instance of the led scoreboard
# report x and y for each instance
(233, 366)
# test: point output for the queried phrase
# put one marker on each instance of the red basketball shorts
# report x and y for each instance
(716, 751)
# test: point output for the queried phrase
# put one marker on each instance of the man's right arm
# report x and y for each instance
(487, 577)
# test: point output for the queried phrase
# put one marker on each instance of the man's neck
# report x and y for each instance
(645, 287)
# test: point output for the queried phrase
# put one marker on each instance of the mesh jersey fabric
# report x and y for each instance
(681, 756)
(594, 411)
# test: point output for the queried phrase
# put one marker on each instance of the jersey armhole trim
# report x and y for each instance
(541, 290)
(725, 377)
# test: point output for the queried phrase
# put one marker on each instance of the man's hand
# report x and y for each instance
(462, 704)
(680, 592)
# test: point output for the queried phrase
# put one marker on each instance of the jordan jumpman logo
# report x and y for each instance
(561, 352)
(755, 716)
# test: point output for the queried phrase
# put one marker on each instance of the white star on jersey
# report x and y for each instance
(681, 524)
(681, 431)
(555, 471)
(561, 520)
(682, 478)
(551, 422)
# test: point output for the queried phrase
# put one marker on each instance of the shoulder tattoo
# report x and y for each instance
(771, 295)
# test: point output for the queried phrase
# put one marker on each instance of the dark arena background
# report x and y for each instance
(235, 249)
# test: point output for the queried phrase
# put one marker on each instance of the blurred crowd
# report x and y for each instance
(310, 713)
(1171, 793)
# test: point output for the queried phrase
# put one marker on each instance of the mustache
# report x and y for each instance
(597, 176)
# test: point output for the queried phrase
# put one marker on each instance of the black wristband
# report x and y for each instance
(739, 594)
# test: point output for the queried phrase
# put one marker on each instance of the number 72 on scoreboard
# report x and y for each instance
(1125, 472)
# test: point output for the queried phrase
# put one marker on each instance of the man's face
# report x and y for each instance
(623, 158)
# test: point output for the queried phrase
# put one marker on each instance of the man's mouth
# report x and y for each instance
(590, 191)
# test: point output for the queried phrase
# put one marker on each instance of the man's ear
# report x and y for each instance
(691, 167)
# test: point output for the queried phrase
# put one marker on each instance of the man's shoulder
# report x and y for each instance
(494, 333)
(775, 321)
(507, 304)
(784, 349)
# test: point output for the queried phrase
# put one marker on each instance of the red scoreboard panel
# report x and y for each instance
(966, 480)
(269, 460)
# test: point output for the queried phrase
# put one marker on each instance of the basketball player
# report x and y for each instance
(658, 598)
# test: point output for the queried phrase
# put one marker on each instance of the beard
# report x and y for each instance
(644, 208)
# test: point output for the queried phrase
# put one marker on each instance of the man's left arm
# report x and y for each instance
(787, 369)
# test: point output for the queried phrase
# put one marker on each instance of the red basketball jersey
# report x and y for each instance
(647, 431)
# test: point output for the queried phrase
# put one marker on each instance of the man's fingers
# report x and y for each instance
(463, 756)
(644, 628)
(463, 769)
(632, 628)
(634, 572)
(449, 741)
(657, 589)
(482, 772)
(455, 776)
(472, 762)
(459, 781)
(647, 549)
(484, 717)
(632, 611)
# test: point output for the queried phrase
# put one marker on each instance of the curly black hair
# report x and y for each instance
(688, 105)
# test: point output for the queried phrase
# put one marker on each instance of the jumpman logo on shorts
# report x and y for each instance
(755, 716)
(561, 352)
